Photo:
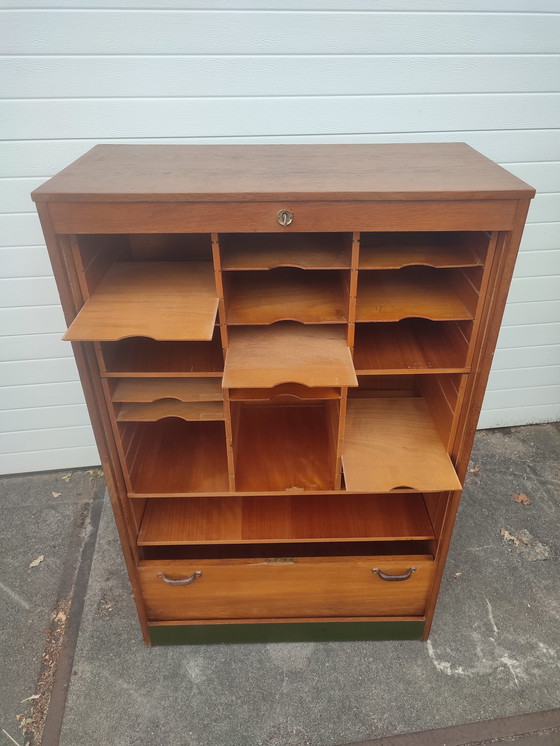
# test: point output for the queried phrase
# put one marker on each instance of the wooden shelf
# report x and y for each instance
(411, 345)
(158, 410)
(140, 357)
(263, 357)
(285, 391)
(396, 250)
(253, 251)
(316, 297)
(279, 448)
(392, 295)
(182, 389)
(394, 443)
(161, 300)
(176, 457)
(293, 519)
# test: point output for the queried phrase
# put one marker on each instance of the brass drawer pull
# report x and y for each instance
(383, 575)
(285, 217)
(184, 581)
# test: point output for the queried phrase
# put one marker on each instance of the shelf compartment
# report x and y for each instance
(430, 249)
(175, 457)
(285, 391)
(293, 519)
(394, 443)
(412, 345)
(310, 297)
(152, 389)
(254, 251)
(263, 357)
(159, 410)
(283, 448)
(142, 357)
(423, 292)
(161, 300)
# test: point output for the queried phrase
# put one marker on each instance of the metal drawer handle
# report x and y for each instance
(285, 217)
(184, 581)
(383, 575)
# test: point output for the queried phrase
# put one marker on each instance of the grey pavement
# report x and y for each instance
(494, 650)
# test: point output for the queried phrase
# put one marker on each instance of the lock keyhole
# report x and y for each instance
(285, 217)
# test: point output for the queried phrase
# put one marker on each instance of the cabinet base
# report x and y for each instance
(210, 634)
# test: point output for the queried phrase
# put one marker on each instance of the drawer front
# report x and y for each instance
(304, 587)
(165, 217)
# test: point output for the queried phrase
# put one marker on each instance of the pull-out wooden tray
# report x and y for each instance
(162, 300)
(263, 357)
(182, 389)
(393, 443)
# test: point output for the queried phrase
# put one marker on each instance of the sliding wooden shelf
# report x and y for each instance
(397, 250)
(160, 300)
(259, 357)
(140, 357)
(294, 518)
(394, 443)
(411, 346)
(176, 457)
(284, 350)
(285, 391)
(254, 251)
(282, 448)
(182, 389)
(158, 410)
(316, 297)
(392, 295)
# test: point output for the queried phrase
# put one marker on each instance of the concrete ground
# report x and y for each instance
(69, 628)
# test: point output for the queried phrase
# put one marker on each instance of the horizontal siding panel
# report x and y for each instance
(538, 263)
(20, 230)
(15, 193)
(30, 440)
(545, 177)
(24, 261)
(33, 347)
(528, 396)
(147, 76)
(512, 416)
(541, 237)
(525, 289)
(56, 370)
(28, 291)
(130, 32)
(520, 357)
(33, 320)
(45, 157)
(42, 418)
(320, 5)
(537, 312)
(529, 335)
(47, 459)
(57, 118)
(43, 395)
(514, 379)
(545, 208)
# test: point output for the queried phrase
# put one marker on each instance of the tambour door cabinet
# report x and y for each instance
(284, 351)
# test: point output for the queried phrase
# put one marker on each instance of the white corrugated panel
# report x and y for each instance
(178, 71)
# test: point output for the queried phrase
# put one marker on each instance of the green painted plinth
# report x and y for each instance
(211, 634)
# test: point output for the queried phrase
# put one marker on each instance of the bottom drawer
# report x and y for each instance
(286, 588)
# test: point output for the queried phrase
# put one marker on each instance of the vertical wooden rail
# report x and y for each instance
(224, 337)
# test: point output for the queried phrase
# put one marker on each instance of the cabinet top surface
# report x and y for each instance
(241, 173)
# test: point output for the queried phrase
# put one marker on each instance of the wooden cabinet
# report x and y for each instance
(284, 351)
